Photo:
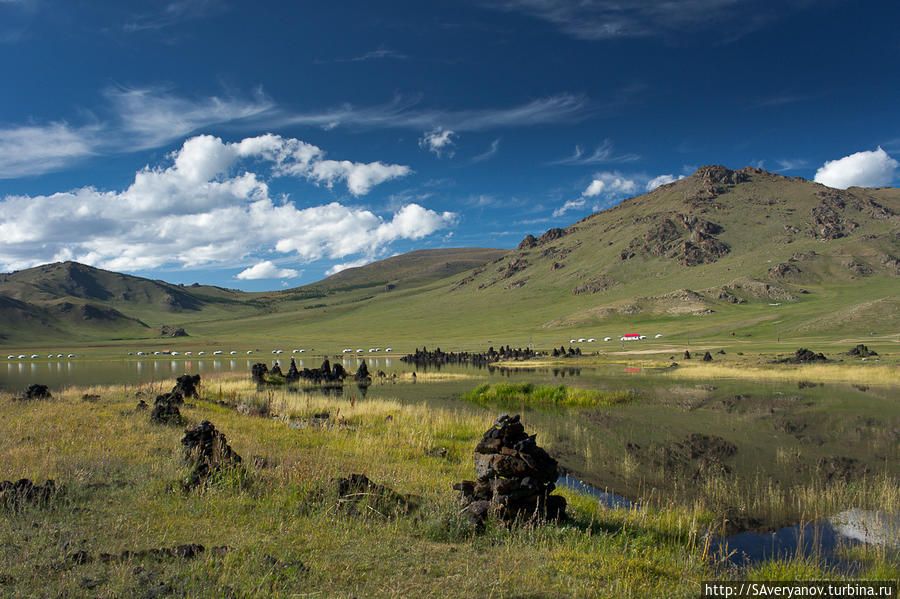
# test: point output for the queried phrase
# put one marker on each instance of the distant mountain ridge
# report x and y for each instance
(707, 253)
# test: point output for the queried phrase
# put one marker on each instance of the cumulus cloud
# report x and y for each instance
(267, 270)
(207, 207)
(662, 180)
(863, 169)
(609, 185)
(439, 141)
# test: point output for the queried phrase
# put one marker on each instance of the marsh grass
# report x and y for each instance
(288, 535)
(546, 396)
(844, 373)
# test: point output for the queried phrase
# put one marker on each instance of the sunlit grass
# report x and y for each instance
(121, 475)
(874, 374)
(546, 396)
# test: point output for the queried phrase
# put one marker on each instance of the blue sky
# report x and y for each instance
(265, 145)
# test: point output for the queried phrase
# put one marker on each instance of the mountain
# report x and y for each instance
(72, 300)
(724, 251)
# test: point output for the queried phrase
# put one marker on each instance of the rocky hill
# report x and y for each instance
(721, 237)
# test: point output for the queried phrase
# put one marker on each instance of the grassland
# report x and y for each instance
(514, 395)
(290, 537)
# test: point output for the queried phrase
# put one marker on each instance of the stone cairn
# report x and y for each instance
(207, 450)
(515, 478)
(166, 406)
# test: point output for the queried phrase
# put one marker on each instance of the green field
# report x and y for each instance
(288, 534)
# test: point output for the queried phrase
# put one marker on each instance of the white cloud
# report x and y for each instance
(379, 54)
(345, 265)
(208, 207)
(489, 153)
(609, 185)
(151, 117)
(137, 119)
(863, 169)
(439, 141)
(662, 180)
(267, 270)
(400, 113)
(601, 154)
(34, 150)
(569, 205)
(609, 19)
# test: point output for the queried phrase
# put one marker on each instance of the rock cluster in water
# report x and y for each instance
(207, 450)
(515, 478)
(424, 357)
(326, 373)
(561, 352)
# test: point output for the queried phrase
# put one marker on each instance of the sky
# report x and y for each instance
(267, 145)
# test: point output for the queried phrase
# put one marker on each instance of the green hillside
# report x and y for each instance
(746, 252)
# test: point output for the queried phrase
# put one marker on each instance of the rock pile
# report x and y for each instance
(803, 356)
(36, 392)
(515, 478)
(362, 375)
(187, 385)
(167, 331)
(561, 352)
(15, 495)
(357, 489)
(165, 409)
(259, 371)
(861, 351)
(208, 451)
(424, 357)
